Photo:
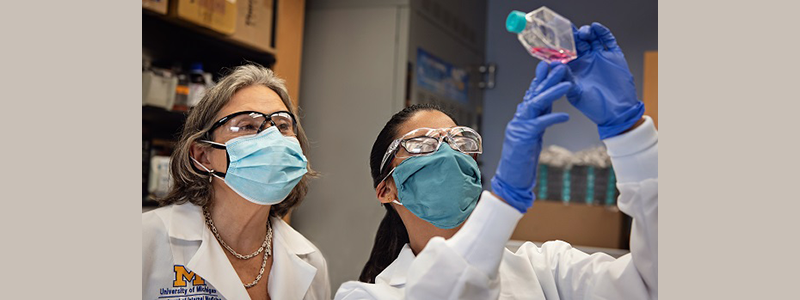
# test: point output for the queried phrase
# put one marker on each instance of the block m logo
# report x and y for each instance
(182, 275)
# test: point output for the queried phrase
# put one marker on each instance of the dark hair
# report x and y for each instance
(392, 234)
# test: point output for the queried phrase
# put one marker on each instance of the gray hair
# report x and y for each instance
(189, 185)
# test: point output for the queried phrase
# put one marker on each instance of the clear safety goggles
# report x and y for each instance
(245, 123)
(425, 141)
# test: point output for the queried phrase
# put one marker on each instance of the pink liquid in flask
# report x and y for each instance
(550, 54)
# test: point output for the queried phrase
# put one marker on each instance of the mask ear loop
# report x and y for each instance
(382, 182)
(211, 173)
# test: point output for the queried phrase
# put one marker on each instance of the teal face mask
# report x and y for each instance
(263, 168)
(441, 188)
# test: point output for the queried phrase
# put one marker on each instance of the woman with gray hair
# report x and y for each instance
(238, 167)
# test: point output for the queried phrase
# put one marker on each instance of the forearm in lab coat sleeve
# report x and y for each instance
(466, 265)
(634, 156)
(564, 272)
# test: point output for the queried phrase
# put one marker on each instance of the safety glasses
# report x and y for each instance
(425, 141)
(245, 123)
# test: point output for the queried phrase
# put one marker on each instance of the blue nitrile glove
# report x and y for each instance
(516, 172)
(603, 87)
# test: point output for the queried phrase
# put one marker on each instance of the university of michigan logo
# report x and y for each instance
(182, 276)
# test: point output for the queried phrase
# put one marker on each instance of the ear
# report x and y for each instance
(200, 154)
(386, 192)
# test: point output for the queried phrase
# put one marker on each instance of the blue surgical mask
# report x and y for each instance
(263, 168)
(441, 188)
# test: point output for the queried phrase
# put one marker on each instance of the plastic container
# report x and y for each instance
(158, 88)
(160, 181)
(545, 34)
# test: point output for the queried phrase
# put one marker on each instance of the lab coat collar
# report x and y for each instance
(290, 238)
(187, 222)
(289, 278)
(291, 275)
(395, 273)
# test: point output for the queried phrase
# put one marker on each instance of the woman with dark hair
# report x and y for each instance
(442, 238)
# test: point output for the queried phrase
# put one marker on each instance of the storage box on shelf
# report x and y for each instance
(217, 15)
(254, 24)
(159, 6)
(576, 223)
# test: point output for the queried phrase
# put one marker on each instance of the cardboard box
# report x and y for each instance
(224, 16)
(577, 224)
(650, 85)
(254, 24)
(217, 15)
(159, 6)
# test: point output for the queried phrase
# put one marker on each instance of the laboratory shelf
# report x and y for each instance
(168, 41)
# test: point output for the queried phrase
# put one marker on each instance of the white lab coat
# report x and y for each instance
(182, 258)
(474, 264)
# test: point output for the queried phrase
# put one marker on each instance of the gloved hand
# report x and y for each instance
(603, 87)
(516, 172)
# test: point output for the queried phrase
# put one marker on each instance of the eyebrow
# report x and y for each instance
(246, 110)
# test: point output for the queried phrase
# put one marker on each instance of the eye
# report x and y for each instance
(244, 128)
(466, 144)
(420, 145)
(283, 124)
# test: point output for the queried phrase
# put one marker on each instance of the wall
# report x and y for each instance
(350, 88)
(635, 25)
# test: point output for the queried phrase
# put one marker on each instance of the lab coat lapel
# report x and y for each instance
(291, 275)
(395, 273)
(211, 263)
(186, 222)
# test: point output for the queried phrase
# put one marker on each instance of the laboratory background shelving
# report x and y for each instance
(168, 41)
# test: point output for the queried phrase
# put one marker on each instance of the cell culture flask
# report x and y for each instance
(545, 34)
